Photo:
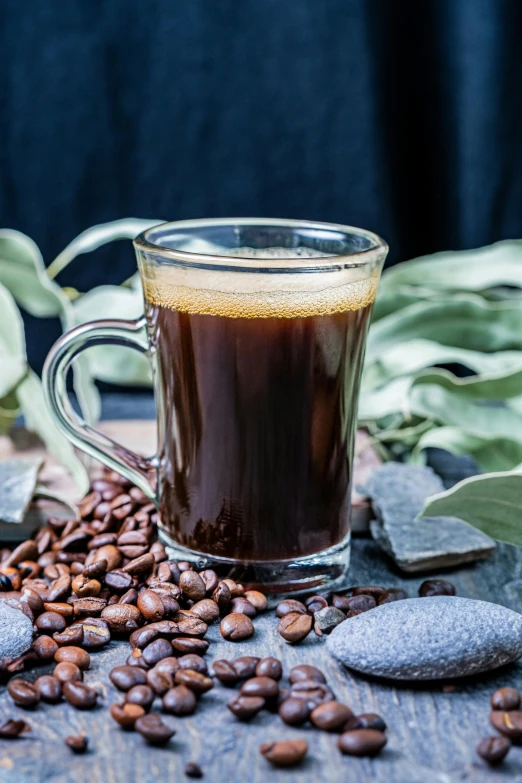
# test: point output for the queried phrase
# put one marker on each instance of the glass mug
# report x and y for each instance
(256, 331)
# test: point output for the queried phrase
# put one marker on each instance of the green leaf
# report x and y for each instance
(386, 401)
(477, 387)
(491, 503)
(491, 454)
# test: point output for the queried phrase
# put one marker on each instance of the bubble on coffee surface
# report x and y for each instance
(257, 295)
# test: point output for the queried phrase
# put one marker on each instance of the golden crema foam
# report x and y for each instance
(256, 295)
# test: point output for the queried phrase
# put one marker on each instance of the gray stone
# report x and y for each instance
(325, 620)
(16, 632)
(429, 638)
(17, 484)
(397, 493)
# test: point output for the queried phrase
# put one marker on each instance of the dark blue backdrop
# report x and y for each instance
(396, 115)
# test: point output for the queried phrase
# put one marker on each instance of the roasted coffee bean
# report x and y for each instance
(330, 716)
(194, 681)
(141, 637)
(190, 625)
(50, 622)
(193, 770)
(45, 647)
(23, 693)
(126, 677)
(84, 587)
(221, 595)
(126, 714)
(245, 666)
(294, 712)
(290, 606)
(295, 627)
(192, 585)
(269, 667)
(179, 701)
(96, 570)
(242, 606)
(153, 730)
(165, 588)
(306, 672)
(368, 720)
(13, 728)
(89, 503)
(257, 599)
(182, 645)
(130, 597)
(260, 686)
(65, 671)
(110, 553)
(121, 618)
(164, 572)
(236, 627)
(372, 590)
(341, 602)
(118, 581)
(64, 609)
(245, 707)
(77, 743)
(49, 688)
(508, 723)
(314, 693)
(27, 550)
(168, 665)
(95, 632)
(210, 579)
(505, 699)
(436, 587)
(365, 742)
(76, 655)
(286, 753)
(194, 662)
(207, 610)
(140, 565)
(79, 695)
(393, 594)
(315, 603)
(28, 569)
(132, 538)
(359, 604)
(170, 605)
(32, 599)
(89, 607)
(156, 650)
(494, 749)
(143, 695)
(225, 672)
(136, 659)
(160, 682)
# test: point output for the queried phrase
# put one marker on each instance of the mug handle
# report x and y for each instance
(142, 471)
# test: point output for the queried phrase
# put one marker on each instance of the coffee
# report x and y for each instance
(257, 393)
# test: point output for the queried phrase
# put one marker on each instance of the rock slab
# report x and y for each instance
(16, 632)
(397, 493)
(428, 638)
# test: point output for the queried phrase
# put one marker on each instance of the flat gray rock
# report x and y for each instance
(428, 638)
(397, 493)
(17, 484)
(16, 632)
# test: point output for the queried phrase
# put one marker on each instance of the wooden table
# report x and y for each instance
(432, 734)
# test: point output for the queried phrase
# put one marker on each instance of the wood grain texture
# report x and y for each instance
(432, 734)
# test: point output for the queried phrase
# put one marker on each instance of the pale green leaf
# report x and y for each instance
(476, 387)
(386, 401)
(491, 454)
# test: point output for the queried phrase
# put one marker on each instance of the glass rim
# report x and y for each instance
(376, 252)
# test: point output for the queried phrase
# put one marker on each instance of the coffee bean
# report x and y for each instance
(436, 587)
(221, 596)
(206, 609)
(306, 672)
(156, 650)
(136, 659)
(23, 693)
(508, 723)
(194, 662)
(494, 749)
(194, 681)
(79, 695)
(111, 554)
(130, 597)
(153, 730)
(118, 581)
(96, 570)
(260, 686)
(76, 655)
(45, 648)
(126, 714)
(160, 682)
(236, 627)
(95, 632)
(236, 589)
(190, 625)
(210, 579)
(269, 667)
(295, 627)
(393, 594)
(27, 550)
(242, 606)
(245, 707)
(315, 603)
(168, 666)
(88, 504)
(372, 590)
(365, 742)
(140, 565)
(224, 671)
(89, 607)
(141, 637)
(65, 671)
(78, 743)
(199, 646)
(257, 599)
(70, 636)
(179, 701)
(245, 666)
(84, 587)
(286, 753)
(143, 695)
(314, 693)
(64, 609)
(50, 622)
(359, 604)
(151, 606)
(13, 728)
(32, 599)
(330, 716)
(368, 720)
(290, 606)
(341, 602)
(121, 618)
(192, 585)
(126, 677)
(49, 688)
(294, 712)
(193, 770)
(505, 699)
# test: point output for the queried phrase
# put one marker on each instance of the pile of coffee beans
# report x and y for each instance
(506, 718)
(323, 614)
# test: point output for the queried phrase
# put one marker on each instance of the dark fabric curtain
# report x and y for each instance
(402, 116)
